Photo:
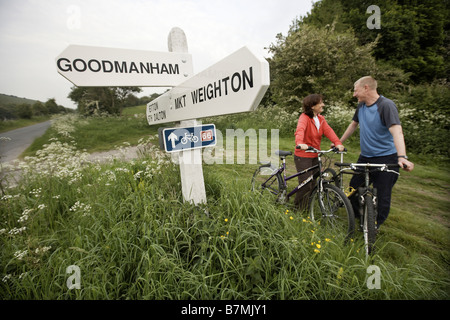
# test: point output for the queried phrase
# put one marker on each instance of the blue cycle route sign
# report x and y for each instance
(179, 139)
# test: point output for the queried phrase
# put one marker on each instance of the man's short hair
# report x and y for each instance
(367, 80)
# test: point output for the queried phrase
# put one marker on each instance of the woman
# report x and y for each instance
(310, 129)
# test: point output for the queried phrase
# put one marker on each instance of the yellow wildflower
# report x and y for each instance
(316, 251)
(340, 273)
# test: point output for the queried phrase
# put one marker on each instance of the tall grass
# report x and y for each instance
(127, 228)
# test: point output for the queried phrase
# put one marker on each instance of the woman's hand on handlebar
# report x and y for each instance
(302, 146)
(340, 147)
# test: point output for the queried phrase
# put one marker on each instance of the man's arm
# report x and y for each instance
(399, 142)
(349, 131)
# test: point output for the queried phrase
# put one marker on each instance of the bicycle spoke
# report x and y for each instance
(369, 228)
(333, 208)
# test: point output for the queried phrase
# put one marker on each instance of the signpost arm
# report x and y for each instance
(191, 171)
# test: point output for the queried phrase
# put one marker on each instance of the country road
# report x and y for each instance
(20, 140)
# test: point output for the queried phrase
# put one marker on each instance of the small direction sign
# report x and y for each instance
(234, 84)
(178, 139)
(87, 66)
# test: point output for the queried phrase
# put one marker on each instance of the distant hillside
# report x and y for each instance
(8, 100)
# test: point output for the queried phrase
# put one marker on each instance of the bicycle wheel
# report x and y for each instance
(333, 208)
(267, 184)
(369, 227)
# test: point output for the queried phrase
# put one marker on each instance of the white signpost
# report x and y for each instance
(87, 66)
(235, 84)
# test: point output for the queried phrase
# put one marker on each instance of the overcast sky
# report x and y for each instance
(34, 32)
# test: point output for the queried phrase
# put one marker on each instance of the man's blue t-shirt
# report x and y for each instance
(374, 122)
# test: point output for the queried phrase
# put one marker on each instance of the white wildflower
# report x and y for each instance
(81, 207)
(15, 230)
(20, 254)
(25, 215)
(6, 278)
(42, 250)
(36, 192)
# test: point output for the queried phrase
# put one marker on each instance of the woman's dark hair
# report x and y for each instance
(309, 102)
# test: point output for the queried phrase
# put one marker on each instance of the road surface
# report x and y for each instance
(21, 139)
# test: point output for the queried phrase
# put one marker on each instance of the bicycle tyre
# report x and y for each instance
(273, 185)
(334, 209)
(369, 227)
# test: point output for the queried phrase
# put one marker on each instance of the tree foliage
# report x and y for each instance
(322, 60)
(413, 34)
(110, 100)
(311, 60)
(29, 110)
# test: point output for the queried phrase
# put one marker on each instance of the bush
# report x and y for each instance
(311, 60)
(425, 116)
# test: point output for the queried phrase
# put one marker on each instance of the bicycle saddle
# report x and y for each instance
(282, 153)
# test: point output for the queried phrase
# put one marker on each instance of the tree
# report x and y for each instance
(52, 107)
(121, 94)
(414, 34)
(39, 109)
(24, 111)
(311, 60)
(101, 99)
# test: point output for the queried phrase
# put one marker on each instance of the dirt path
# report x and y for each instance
(125, 154)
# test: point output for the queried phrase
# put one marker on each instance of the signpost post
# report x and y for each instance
(190, 161)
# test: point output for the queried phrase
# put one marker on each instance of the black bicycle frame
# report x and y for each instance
(285, 179)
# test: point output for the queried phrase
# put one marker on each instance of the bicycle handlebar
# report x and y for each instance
(369, 165)
(312, 149)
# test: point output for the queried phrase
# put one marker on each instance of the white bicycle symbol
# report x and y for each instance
(189, 137)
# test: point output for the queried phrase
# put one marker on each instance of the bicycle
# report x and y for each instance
(189, 137)
(367, 196)
(326, 201)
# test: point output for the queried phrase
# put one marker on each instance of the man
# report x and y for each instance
(381, 141)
